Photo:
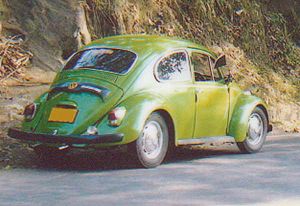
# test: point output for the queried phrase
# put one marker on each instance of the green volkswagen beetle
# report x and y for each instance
(150, 93)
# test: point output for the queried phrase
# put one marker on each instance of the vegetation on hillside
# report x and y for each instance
(263, 34)
(259, 39)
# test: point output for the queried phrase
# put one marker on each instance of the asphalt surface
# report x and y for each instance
(211, 176)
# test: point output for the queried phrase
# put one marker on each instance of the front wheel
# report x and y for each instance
(257, 132)
(152, 145)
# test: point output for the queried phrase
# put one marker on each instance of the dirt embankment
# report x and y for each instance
(52, 30)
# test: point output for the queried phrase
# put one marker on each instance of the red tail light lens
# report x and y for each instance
(29, 111)
(116, 116)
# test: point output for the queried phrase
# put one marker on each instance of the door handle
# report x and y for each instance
(198, 90)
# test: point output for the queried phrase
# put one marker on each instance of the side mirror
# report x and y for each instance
(229, 78)
(220, 62)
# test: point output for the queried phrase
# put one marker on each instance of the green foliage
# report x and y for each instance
(277, 18)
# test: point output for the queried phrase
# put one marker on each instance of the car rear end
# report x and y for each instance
(82, 95)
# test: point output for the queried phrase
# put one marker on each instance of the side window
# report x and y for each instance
(174, 67)
(201, 66)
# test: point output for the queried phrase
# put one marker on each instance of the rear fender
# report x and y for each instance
(239, 121)
(138, 107)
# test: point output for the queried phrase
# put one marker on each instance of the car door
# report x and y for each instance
(211, 97)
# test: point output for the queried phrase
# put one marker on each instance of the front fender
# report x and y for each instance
(238, 125)
(138, 107)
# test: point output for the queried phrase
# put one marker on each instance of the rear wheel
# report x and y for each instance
(152, 145)
(257, 132)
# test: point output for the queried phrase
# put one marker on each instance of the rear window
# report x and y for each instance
(112, 60)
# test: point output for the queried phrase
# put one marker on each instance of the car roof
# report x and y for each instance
(145, 44)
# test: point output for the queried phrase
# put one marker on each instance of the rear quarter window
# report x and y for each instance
(174, 67)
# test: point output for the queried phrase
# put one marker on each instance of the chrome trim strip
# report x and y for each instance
(91, 88)
(205, 140)
(81, 87)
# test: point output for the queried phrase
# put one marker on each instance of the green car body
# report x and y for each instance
(192, 110)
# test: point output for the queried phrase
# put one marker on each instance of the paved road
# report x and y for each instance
(219, 176)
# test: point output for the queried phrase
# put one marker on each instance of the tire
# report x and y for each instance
(257, 132)
(151, 147)
(49, 153)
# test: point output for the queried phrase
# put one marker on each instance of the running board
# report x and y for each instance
(205, 140)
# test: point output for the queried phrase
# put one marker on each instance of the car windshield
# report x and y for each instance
(112, 60)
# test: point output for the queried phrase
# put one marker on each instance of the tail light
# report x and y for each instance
(29, 111)
(116, 116)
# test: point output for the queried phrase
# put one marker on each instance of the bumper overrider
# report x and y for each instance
(64, 139)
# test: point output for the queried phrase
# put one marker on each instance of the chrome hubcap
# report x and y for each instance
(152, 140)
(256, 129)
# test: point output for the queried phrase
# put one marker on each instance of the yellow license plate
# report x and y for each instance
(62, 115)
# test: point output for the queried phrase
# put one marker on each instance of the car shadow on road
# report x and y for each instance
(116, 160)
(190, 154)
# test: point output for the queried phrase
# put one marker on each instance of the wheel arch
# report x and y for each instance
(238, 125)
(170, 123)
(264, 109)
